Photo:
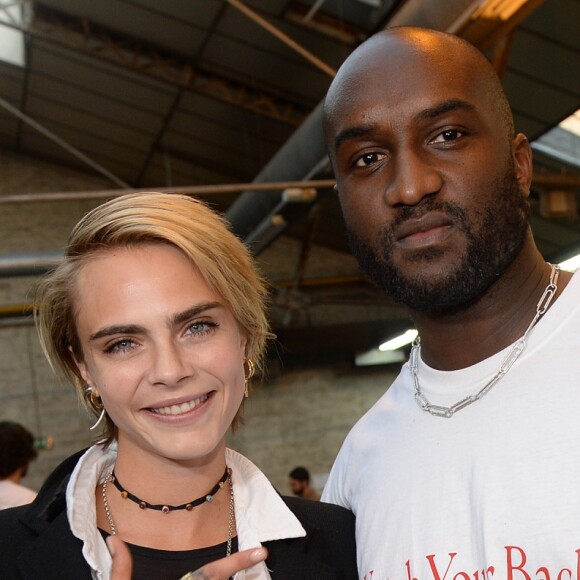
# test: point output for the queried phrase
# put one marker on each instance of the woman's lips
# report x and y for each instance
(180, 408)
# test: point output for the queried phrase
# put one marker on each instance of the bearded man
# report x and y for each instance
(467, 467)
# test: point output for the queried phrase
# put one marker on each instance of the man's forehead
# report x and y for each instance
(413, 86)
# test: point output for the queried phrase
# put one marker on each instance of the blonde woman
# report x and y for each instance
(157, 316)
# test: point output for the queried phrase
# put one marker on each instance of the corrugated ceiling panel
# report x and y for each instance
(111, 156)
(182, 173)
(538, 100)
(546, 60)
(179, 28)
(113, 80)
(559, 19)
(118, 111)
(234, 118)
(83, 123)
(298, 82)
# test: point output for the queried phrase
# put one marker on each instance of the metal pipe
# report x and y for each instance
(184, 190)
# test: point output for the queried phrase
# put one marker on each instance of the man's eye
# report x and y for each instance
(447, 136)
(368, 159)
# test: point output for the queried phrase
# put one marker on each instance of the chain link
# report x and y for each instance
(507, 363)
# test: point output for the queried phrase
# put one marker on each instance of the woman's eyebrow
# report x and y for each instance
(194, 311)
(116, 329)
(177, 319)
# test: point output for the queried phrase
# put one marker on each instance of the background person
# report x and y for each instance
(16, 452)
(466, 467)
(157, 316)
(300, 484)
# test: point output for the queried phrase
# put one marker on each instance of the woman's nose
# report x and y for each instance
(170, 364)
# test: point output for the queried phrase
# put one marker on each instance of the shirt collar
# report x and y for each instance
(261, 514)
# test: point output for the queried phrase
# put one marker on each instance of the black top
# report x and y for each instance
(36, 540)
(153, 564)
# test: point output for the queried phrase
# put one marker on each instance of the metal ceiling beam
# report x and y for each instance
(492, 20)
(88, 38)
(313, 59)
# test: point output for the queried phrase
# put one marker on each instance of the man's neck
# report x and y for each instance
(496, 320)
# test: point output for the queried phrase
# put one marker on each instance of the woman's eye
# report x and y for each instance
(122, 345)
(368, 159)
(447, 136)
(201, 327)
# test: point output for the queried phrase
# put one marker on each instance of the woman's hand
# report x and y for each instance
(218, 570)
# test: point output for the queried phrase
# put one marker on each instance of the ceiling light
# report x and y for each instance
(398, 342)
(504, 9)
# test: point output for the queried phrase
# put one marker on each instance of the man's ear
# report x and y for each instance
(522, 156)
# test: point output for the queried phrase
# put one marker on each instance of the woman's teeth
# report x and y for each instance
(179, 409)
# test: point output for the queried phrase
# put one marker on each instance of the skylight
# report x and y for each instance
(11, 38)
(563, 141)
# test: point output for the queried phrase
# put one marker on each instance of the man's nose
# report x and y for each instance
(413, 177)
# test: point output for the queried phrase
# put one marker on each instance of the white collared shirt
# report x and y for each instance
(261, 514)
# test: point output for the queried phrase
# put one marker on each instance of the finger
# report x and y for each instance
(122, 563)
(226, 567)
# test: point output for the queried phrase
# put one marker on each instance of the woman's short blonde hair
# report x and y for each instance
(140, 218)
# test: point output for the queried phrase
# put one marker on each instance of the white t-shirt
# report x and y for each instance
(13, 494)
(493, 492)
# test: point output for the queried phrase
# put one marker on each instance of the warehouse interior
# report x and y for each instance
(222, 99)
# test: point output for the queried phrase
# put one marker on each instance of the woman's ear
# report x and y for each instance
(243, 342)
(86, 375)
(522, 156)
(83, 370)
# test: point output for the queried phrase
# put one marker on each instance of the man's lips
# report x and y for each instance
(422, 231)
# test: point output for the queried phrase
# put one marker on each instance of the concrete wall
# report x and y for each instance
(293, 418)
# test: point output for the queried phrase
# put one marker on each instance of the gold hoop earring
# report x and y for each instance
(248, 375)
(96, 403)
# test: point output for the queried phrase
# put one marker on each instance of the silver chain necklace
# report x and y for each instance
(230, 516)
(507, 363)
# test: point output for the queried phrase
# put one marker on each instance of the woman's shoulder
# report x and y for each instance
(11, 517)
(328, 552)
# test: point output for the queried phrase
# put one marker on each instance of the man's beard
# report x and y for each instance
(489, 252)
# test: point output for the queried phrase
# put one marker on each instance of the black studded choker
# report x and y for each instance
(170, 508)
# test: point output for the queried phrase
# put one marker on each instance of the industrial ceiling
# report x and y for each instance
(222, 98)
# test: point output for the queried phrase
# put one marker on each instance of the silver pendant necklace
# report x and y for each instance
(511, 357)
(230, 515)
